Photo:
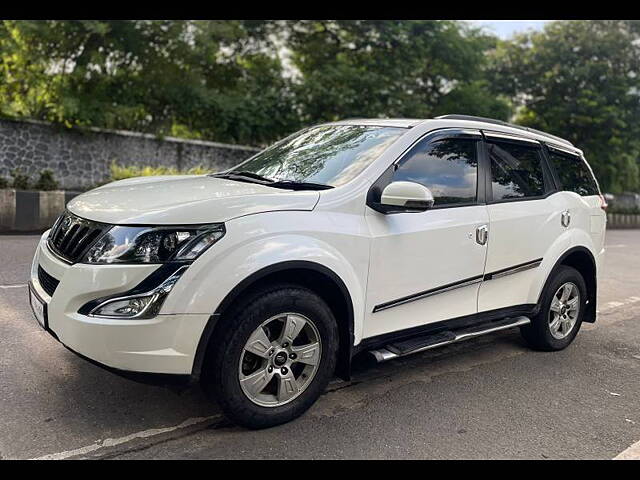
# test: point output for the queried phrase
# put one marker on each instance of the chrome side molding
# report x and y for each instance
(515, 269)
(462, 283)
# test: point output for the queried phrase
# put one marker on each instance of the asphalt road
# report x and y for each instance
(486, 398)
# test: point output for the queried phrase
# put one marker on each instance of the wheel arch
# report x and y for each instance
(318, 278)
(584, 261)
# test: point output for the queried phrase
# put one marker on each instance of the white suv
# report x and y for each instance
(381, 236)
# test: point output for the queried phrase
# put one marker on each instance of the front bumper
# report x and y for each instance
(166, 343)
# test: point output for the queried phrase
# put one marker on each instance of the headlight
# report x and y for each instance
(154, 244)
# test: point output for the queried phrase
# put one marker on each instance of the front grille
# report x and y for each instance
(47, 282)
(71, 236)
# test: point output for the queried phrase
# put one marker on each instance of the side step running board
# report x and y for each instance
(427, 342)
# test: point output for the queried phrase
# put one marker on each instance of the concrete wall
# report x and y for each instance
(80, 158)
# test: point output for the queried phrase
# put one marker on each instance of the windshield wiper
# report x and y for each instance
(243, 176)
(294, 185)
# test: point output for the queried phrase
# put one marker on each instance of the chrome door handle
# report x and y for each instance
(565, 218)
(482, 234)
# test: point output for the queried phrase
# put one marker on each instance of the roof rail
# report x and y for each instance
(504, 124)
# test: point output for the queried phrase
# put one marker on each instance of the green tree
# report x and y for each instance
(389, 68)
(579, 80)
(231, 80)
(204, 79)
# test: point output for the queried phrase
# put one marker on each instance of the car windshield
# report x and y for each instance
(328, 155)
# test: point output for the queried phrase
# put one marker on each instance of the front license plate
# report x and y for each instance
(39, 308)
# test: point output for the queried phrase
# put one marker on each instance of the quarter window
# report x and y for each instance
(448, 167)
(516, 170)
(573, 173)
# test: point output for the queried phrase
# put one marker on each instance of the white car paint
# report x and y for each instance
(378, 257)
(186, 198)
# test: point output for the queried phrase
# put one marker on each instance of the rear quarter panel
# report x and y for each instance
(586, 229)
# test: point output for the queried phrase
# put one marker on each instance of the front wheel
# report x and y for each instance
(562, 308)
(274, 357)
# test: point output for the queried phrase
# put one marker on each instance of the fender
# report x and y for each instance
(275, 241)
(592, 283)
(344, 362)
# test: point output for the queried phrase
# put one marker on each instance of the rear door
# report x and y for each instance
(524, 220)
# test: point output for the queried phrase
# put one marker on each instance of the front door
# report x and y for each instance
(427, 266)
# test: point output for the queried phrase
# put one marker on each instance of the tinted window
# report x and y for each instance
(573, 173)
(516, 170)
(329, 154)
(448, 167)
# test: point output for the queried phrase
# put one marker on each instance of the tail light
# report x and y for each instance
(603, 203)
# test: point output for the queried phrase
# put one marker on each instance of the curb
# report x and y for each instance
(31, 211)
(623, 220)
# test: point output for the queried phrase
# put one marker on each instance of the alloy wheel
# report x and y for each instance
(564, 311)
(280, 359)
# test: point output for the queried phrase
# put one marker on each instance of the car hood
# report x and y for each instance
(184, 199)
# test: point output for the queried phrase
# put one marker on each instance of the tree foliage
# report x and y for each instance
(225, 80)
(255, 81)
(202, 79)
(580, 80)
(391, 68)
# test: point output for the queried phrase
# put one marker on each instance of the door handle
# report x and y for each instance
(482, 234)
(565, 218)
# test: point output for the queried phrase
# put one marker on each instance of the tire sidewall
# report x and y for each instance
(563, 275)
(226, 384)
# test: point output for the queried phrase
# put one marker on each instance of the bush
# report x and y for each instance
(4, 183)
(120, 172)
(46, 181)
(20, 181)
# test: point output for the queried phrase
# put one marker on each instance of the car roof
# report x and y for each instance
(382, 122)
(467, 121)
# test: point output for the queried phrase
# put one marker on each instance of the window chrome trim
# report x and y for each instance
(565, 150)
(489, 134)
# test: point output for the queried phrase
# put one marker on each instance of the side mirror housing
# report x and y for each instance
(407, 197)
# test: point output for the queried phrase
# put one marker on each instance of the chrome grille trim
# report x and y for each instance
(71, 236)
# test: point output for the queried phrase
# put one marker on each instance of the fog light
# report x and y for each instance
(142, 305)
(127, 307)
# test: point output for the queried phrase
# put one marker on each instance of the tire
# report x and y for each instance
(273, 390)
(547, 330)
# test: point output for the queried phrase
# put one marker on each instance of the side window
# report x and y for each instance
(516, 170)
(573, 173)
(448, 167)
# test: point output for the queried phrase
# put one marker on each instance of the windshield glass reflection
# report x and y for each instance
(329, 154)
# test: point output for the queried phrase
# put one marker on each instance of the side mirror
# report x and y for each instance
(409, 196)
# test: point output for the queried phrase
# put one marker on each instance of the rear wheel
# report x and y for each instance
(274, 356)
(561, 312)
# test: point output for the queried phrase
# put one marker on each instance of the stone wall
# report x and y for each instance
(80, 158)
